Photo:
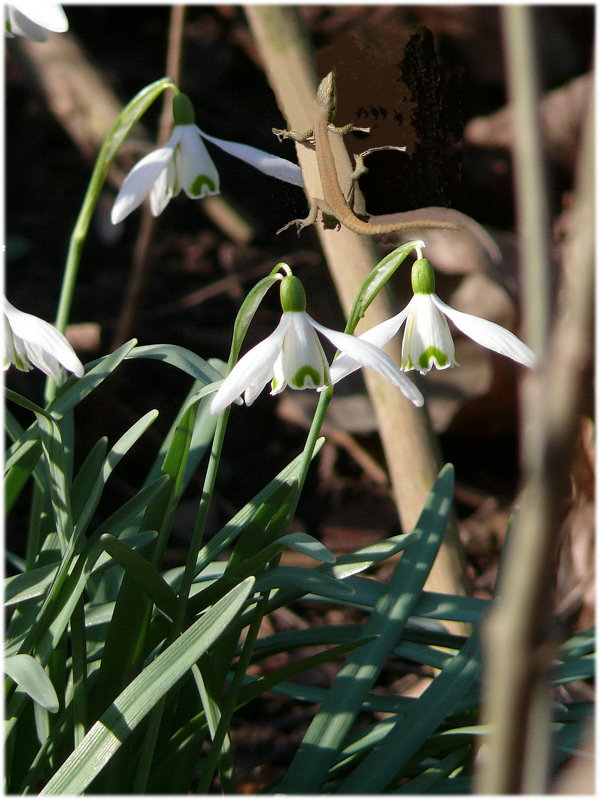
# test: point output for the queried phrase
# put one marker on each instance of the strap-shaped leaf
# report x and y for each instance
(30, 677)
(129, 709)
(181, 358)
(376, 280)
(326, 733)
(143, 573)
(412, 728)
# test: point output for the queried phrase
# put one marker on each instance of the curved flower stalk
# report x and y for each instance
(293, 356)
(427, 339)
(32, 18)
(184, 163)
(32, 342)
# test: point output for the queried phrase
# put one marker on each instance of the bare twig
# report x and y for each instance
(519, 641)
(410, 446)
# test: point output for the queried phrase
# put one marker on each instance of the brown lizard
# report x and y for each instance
(334, 203)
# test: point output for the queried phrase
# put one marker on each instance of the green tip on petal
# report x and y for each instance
(307, 377)
(423, 277)
(183, 110)
(433, 354)
(199, 182)
(293, 297)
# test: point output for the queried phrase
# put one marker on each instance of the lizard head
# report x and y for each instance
(326, 95)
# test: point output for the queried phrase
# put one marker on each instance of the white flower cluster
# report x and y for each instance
(292, 355)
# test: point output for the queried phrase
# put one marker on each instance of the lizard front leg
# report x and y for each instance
(329, 220)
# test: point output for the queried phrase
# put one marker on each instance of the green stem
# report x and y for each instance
(123, 124)
(79, 661)
(229, 706)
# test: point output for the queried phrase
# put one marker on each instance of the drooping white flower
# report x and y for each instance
(184, 163)
(427, 339)
(32, 342)
(32, 18)
(293, 356)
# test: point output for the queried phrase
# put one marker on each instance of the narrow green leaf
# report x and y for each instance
(432, 776)
(181, 358)
(412, 728)
(19, 588)
(33, 583)
(269, 520)
(390, 614)
(582, 644)
(247, 311)
(88, 503)
(143, 573)
(24, 402)
(142, 694)
(18, 469)
(575, 669)
(85, 479)
(74, 390)
(240, 521)
(30, 677)
(303, 580)
(310, 546)
(375, 282)
(56, 464)
(53, 604)
(284, 641)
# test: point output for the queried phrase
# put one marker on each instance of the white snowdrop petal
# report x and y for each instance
(427, 338)
(139, 182)
(39, 342)
(197, 174)
(46, 13)
(488, 334)
(303, 361)
(18, 24)
(253, 370)
(378, 335)
(368, 355)
(164, 188)
(271, 165)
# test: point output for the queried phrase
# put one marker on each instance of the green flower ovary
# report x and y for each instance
(292, 295)
(422, 277)
(183, 110)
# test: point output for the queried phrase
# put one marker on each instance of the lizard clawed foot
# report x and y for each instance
(304, 138)
(304, 223)
(299, 223)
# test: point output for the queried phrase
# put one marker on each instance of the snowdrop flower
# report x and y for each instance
(31, 342)
(293, 356)
(427, 340)
(184, 163)
(32, 18)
